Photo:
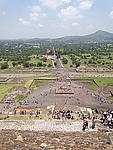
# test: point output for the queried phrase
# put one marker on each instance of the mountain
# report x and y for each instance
(99, 36)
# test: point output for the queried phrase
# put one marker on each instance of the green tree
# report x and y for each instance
(39, 64)
(65, 61)
(14, 64)
(49, 65)
(4, 65)
(44, 59)
(26, 64)
(44, 65)
(77, 64)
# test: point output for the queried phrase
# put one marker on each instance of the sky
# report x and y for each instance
(54, 18)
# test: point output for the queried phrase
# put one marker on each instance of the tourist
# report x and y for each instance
(93, 121)
(108, 119)
(84, 125)
(86, 120)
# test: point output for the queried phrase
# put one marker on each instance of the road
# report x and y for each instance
(58, 72)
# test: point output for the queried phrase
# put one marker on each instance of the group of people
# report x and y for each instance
(85, 122)
(63, 114)
(101, 99)
(107, 118)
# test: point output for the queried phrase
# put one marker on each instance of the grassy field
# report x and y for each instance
(25, 117)
(69, 61)
(5, 72)
(46, 77)
(21, 97)
(101, 81)
(84, 59)
(88, 81)
(10, 64)
(28, 83)
(90, 84)
(38, 83)
(33, 60)
(4, 88)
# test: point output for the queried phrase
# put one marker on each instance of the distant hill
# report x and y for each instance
(99, 36)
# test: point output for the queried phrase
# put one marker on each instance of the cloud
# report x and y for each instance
(54, 3)
(75, 24)
(37, 13)
(35, 16)
(36, 8)
(85, 4)
(40, 25)
(37, 25)
(23, 21)
(70, 13)
(111, 14)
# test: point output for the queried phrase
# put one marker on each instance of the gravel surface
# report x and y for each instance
(44, 125)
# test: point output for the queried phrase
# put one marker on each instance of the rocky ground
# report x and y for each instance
(45, 125)
(53, 135)
(43, 140)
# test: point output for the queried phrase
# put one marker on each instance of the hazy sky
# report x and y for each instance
(54, 18)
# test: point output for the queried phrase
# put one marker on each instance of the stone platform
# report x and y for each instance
(64, 90)
(43, 140)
